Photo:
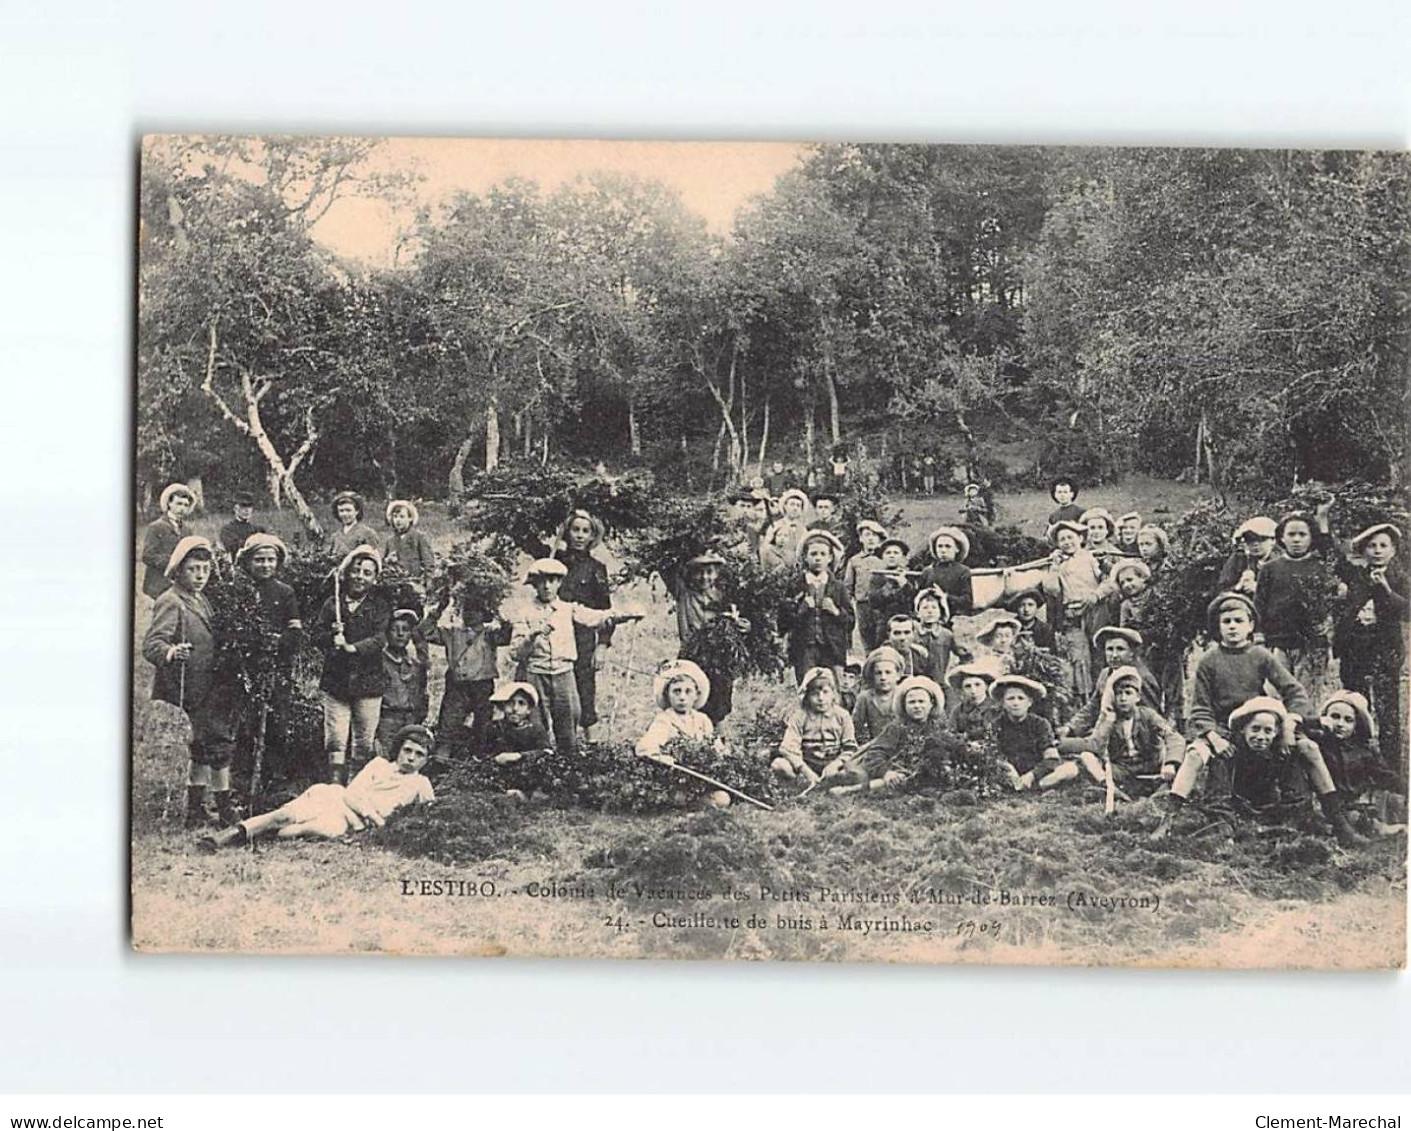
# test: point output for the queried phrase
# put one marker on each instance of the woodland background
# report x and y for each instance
(1239, 317)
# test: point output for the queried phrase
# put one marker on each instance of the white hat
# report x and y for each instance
(670, 672)
(507, 691)
(546, 567)
(820, 535)
(410, 507)
(1259, 526)
(1033, 687)
(363, 551)
(1064, 524)
(868, 524)
(175, 489)
(1130, 635)
(184, 549)
(793, 493)
(924, 683)
(263, 541)
(812, 676)
(1260, 704)
(956, 535)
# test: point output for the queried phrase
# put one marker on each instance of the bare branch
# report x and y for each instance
(208, 387)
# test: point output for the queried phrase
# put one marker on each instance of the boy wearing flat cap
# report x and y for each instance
(544, 645)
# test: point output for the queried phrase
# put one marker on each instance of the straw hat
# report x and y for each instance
(956, 535)
(1032, 687)
(1130, 635)
(827, 537)
(410, 508)
(173, 489)
(1064, 524)
(793, 493)
(1159, 534)
(1260, 704)
(1102, 513)
(1003, 618)
(673, 670)
(962, 672)
(1131, 565)
(938, 594)
(868, 524)
(912, 683)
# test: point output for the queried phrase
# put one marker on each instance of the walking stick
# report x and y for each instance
(259, 752)
(1109, 805)
(617, 684)
(180, 701)
(712, 781)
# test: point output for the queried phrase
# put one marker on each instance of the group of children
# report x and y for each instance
(1248, 736)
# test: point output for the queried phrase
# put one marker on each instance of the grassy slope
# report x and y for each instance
(1289, 901)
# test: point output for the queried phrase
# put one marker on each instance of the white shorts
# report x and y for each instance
(324, 807)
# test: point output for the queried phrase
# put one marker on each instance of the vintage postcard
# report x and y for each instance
(850, 552)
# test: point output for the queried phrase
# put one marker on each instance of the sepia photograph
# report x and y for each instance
(849, 552)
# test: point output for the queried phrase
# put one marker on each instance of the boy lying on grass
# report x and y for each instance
(329, 810)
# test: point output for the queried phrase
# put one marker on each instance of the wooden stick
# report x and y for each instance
(712, 781)
(1109, 805)
(259, 752)
(988, 571)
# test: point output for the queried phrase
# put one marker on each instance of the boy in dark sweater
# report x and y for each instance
(404, 701)
(1027, 750)
(1227, 678)
(1290, 599)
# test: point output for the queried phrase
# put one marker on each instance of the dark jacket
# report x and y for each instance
(181, 617)
(1087, 716)
(810, 629)
(359, 674)
(586, 585)
(411, 552)
(234, 533)
(954, 578)
(1154, 742)
(158, 542)
(1385, 637)
(279, 610)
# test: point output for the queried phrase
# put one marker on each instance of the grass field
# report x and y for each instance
(1023, 879)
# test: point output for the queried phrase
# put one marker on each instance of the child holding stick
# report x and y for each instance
(818, 619)
(181, 645)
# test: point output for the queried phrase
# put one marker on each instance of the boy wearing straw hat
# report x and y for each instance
(544, 644)
(1255, 547)
(515, 733)
(902, 749)
(180, 644)
(933, 633)
(781, 543)
(1075, 589)
(1233, 674)
(891, 587)
(351, 631)
(875, 706)
(680, 689)
(974, 714)
(405, 546)
(950, 546)
(1119, 648)
(1027, 604)
(857, 578)
(1128, 526)
(162, 534)
(1028, 752)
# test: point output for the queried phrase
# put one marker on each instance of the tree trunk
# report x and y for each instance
(686, 461)
(744, 429)
(492, 432)
(764, 434)
(457, 477)
(809, 427)
(1199, 444)
(634, 431)
(831, 387)
(198, 491)
(276, 489)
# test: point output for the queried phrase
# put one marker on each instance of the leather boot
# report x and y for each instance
(338, 773)
(1347, 836)
(212, 841)
(226, 808)
(196, 807)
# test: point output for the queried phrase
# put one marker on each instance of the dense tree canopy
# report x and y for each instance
(1241, 312)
